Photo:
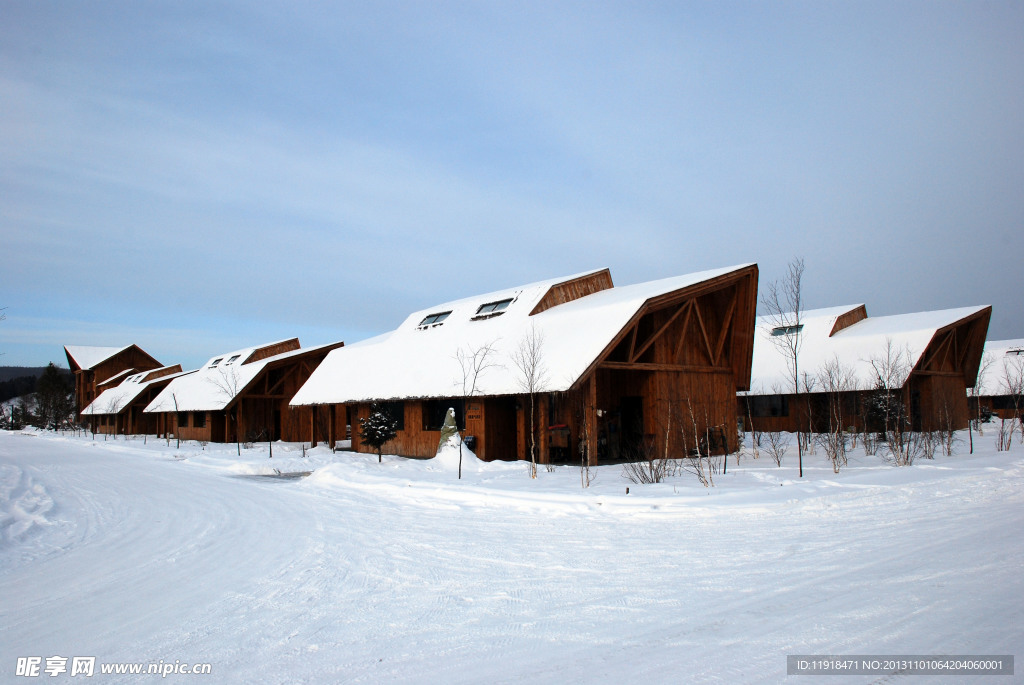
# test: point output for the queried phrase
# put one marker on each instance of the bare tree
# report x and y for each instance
(1011, 384)
(701, 464)
(778, 443)
(945, 435)
(229, 384)
(836, 381)
(783, 306)
(974, 392)
(892, 368)
(755, 433)
(473, 362)
(528, 358)
(113, 408)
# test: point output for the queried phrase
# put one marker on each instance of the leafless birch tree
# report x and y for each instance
(782, 302)
(892, 368)
(528, 358)
(1011, 384)
(836, 381)
(473, 362)
(229, 384)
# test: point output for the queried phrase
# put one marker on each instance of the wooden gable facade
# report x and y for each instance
(665, 384)
(89, 374)
(936, 391)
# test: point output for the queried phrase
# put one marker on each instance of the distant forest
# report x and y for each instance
(16, 381)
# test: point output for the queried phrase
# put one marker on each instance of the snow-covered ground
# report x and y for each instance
(398, 572)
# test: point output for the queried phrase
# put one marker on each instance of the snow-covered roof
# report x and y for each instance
(853, 345)
(1000, 356)
(116, 399)
(419, 358)
(221, 379)
(87, 357)
(117, 377)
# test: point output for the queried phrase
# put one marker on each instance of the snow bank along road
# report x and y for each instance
(367, 573)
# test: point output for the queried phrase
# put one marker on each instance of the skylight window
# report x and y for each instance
(434, 319)
(787, 330)
(490, 309)
(216, 361)
(234, 358)
(1015, 352)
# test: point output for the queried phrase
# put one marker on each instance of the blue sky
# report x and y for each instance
(195, 177)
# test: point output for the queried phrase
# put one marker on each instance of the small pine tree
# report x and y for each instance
(378, 429)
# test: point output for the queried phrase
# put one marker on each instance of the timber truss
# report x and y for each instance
(688, 334)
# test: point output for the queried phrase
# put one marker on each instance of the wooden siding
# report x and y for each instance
(261, 353)
(848, 319)
(568, 291)
(412, 441)
(160, 373)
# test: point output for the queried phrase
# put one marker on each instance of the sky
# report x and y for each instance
(197, 177)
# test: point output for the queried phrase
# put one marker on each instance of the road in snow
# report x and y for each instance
(367, 573)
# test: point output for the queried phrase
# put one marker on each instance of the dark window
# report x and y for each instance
(787, 330)
(1007, 402)
(492, 309)
(216, 361)
(1015, 352)
(434, 412)
(234, 358)
(396, 411)
(763, 406)
(432, 319)
(199, 419)
(182, 419)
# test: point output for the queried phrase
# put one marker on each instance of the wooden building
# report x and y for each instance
(1000, 386)
(622, 372)
(241, 396)
(119, 408)
(92, 366)
(939, 354)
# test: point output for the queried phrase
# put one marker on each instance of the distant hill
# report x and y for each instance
(16, 381)
(9, 372)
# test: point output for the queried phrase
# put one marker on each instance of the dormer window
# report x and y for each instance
(490, 309)
(435, 319)
(216, 361)
(786, 330)
(1016, 352)
(234, 358)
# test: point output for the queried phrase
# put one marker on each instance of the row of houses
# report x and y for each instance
(572, 367)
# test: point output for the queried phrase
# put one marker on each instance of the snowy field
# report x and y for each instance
(399, 573)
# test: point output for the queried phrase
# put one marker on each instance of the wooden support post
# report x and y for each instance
(522, 428)
(240, 422)
(312, 425)
(332, 425)
(590, 407)
(543, 434)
